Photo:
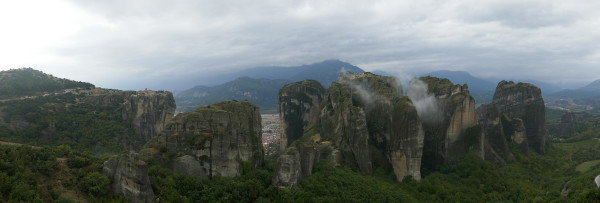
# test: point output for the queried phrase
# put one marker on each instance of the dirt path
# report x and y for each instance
(17, 144)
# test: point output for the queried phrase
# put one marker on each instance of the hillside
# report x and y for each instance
(23, 82)
(325, 72)
(589, 91)
(70, 134)
(262, 92)
(476, 85)
(94, 120)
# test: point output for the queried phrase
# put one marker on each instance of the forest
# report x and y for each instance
(62, 174)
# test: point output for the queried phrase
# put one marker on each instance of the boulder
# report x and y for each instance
(129, 175)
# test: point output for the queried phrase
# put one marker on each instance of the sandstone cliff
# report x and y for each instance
(450, 134)
(213, 140)
(149, 112)
(524, 101)
(129, 177)
(566, 126)
(516, 114)
(299, 108)
(97, 120)
(496, 145)
(364, 123)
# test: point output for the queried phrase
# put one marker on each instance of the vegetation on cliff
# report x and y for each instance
(22, 82)
(62, 120)
(79, 115)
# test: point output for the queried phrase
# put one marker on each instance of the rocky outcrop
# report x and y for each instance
(514, 129)
(345, 125)
(449, 137)
(496, 145)
(364, 123)
(566, 127)
(298, 162)
(129, 175)
(404, 146)
(148, 111)
(524, 101)
(214, 140)
(517, 114)
(299, 108)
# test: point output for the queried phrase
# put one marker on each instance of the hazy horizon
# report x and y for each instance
(154, 44)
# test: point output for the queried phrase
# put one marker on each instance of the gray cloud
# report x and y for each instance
(178, 44)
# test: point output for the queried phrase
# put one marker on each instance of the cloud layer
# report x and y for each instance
(142, 43)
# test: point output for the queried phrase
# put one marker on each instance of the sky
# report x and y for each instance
(160, 44)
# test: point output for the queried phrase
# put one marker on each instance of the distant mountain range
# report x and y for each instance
(482, 86)
(245, 85)
(262, 92)
(589, 91)
(260, 85)
(325, 72)
(476, 85)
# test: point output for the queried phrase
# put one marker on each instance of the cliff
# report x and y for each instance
(516, 114)
(299, 107)
(452, 130)
(148, 112)
(524, 101)
(129, 177)
(214, 140)
(364, 123)
(96, 120)
(566, 127)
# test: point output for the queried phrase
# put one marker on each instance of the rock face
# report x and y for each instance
(149, 111)
(129, 177)
(449, 137)
(364, 123)
(566, 126)
(517, 114)
(345, 125)
(524, 101)
(298, 162)
(299, 108)
(496, 145)
(214, 140)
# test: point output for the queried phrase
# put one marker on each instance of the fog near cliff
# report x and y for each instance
(427, 105)
(361, 89)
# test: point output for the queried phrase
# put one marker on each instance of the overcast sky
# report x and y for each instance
(142, 43)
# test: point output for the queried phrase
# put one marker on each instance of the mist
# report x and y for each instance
(427, 105)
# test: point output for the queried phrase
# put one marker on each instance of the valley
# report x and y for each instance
(270, 133)
(363, 138)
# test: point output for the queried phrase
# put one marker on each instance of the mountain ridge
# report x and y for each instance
(260, 85)
(589, 91)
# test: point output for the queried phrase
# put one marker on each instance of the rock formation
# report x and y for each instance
(214, 140)
(364, 123)
(129, 176)
(496, 145)
(299, 108)
(524, 101)
(516, 114)
(451, 133)
(149, 112)
(566, 127)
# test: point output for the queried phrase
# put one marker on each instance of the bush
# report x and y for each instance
(95, 184)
